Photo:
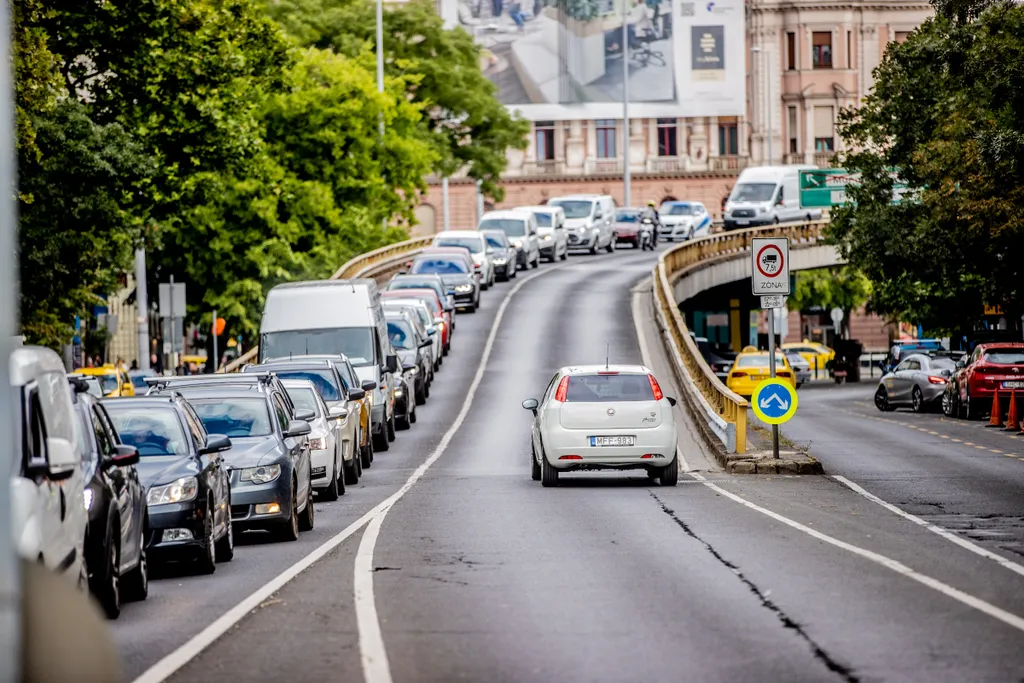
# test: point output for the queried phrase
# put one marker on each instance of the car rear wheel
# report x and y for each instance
(391, 428)
(548, 474)
(108, 588)
(917, 400)
(403, 423)
(380, 442)
(669, 474)
(534, 465)
(331, 492)
(289, 531)
(226, 545)
(949, 407)
(207, 561)
(308, 518)
(971, 410)
(351, 474)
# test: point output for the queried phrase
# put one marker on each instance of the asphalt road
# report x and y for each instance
(470, 571)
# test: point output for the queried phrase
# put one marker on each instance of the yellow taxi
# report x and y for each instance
(812, 352)
(751, 367)
(113, 380)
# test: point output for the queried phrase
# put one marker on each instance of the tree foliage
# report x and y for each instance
(471, 129)
(947, 112)
(844, 288)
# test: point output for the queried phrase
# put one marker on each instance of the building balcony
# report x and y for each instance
(543, 167)
(728, 163)
(602, 166)
(666, 164)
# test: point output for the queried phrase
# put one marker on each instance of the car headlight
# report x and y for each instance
(547, 238)
(318, 444)
(464, 288)
(413, 371)
(87, 496)
(397, 393)
(500, 261)
(261, 475)
(518, 244)
(180, 491)
(582, 229)
(763, 209)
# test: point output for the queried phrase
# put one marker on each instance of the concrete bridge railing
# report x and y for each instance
(699, 265)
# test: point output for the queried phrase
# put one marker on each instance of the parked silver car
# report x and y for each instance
(800, 366)
(918, 381)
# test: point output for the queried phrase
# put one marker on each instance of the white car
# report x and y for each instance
(603, 417)
(333, 438)
(477, 246)
(683, 221)
(48, 510)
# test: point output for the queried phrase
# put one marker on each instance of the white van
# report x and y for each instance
(332, 317)
(765, 195)
(554, 243)
(48, 510)
(588, 220)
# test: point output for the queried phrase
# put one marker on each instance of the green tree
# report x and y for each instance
(471, 129)
(78, 226)
(844, 288)
(947, 111)
(36, 78)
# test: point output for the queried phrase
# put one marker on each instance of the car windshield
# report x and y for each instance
(401, 335)
(305, 398)
(234, 417)
(514, 227)
(153, 430)
(1005, 357)
(496, 241)
(544, 219)
(354, 342)
(604, 388)
(471, 243)
(752, 192)
(93, 386)
(416, 283)
(627, 216)
(324, 380)
(680, 210)
(575, 208)
(440, 265)
(757, 360)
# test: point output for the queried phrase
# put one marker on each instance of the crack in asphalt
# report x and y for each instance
(788, 622)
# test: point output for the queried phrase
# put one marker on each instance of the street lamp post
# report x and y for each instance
(626, 179)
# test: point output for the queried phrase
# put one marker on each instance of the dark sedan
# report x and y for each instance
(269, 459)
(459, 279)
(502, 254)
(115, 542)
(413, 346)
(188, 494)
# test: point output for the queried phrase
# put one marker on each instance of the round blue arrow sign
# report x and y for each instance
(774, 401)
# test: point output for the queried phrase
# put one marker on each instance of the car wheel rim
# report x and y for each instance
(917, 400)
(115, 577)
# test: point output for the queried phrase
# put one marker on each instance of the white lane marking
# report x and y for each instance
(645, 354)
(945, 533)
(1002, 615)
(175, 660)
(372, 651)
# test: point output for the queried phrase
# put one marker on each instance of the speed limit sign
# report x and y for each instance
(769, 266)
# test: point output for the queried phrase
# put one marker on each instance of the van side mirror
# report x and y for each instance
(61, 458)
(392, 363)
(356, 394)
(368, 385)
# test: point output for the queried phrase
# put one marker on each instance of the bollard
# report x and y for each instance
(1012, 423)
(994, 419)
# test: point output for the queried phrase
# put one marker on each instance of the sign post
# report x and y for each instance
(770, 279)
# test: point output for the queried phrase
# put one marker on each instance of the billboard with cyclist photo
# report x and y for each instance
(563, 59)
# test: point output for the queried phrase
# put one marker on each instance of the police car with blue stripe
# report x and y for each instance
(683, 220)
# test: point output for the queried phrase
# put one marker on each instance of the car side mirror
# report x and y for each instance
(298, 428)
(356, 394)
(960, 365)
(531, 404)
(368, 385)
(337, 413)
(490, 250)
(123, 456)
(671, 401)
(61, 458)
(305, 414)
(426, 343)
(432, 331)
(216, 443)
(391, 364)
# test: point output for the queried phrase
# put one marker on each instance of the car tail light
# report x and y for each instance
(782, 373)
(936, 380)
(571, 457)
(651, 456)
(655, 388)
(739, 374)
(476, 266)
(563, 389)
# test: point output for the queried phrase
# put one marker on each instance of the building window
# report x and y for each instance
(791, 51)
(824, 130)
(794, 131)
(728, 140)
(849, 49)
(901, 36)
(544, 139)
(668, 138)
(606, 129)
(821, 49)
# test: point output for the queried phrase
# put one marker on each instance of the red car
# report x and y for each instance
(990, 367)
(627, 227)
(429, 297)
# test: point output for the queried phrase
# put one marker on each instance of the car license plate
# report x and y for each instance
(318, 470)
(1015, 384)
(612, 440)
(758, 378)
(742, 222)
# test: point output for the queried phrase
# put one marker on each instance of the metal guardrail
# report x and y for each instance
(379, 263)
(689, 257)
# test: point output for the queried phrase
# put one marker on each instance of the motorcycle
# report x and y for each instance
(647, 234)
(839, 373)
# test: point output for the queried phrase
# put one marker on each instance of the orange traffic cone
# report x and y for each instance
(995, 419)
(1012, 423)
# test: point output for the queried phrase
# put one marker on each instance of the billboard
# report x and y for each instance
(563, 59)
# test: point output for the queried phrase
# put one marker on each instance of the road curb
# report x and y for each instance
(764, 463)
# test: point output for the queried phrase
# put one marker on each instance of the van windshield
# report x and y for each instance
(543, 219)
(574, 208)
(354, 342)
(514, 227)
(753, 192)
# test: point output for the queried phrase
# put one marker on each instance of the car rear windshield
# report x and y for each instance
(1005, 357)
(627, 216)
(153, 430)
(756, 361)
(515, 227)
(471, 243)
(543, 219)
(234, 417)
(324, 380)
(605, 388)
(575, 208)
(354, 342)
(439, 265)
